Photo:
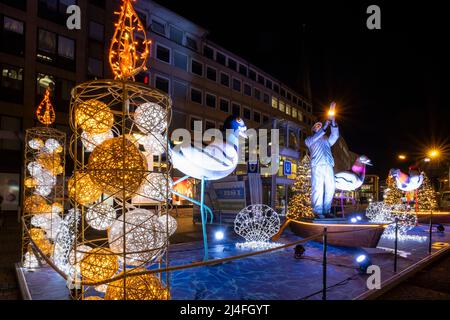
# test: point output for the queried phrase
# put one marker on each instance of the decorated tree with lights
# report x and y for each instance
(426, 196)
(300, 203)
(392, 194)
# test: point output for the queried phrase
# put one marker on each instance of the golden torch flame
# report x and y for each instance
(124, 58)
(45, 112)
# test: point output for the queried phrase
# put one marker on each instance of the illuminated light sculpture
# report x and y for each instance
(45, 112)
(30, 260)
(156, 187)
(50, 222)
(101, 216)
(141, 287)
(154, 143)
(171, 222)
(82, 189)
(52, 146)
(94, 117)
(257, 224)
(30, 182)
(151, 118)
(51, 163)
(144, 237)
(118, 164)
(118, 167)
(36, 144)
(91, 141)
(66, 241)
(406, 182)
(35, 204)
(45, 181)
(99, 264)
(216, 161)
(39, 238)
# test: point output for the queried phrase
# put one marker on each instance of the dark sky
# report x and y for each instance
(388, 83)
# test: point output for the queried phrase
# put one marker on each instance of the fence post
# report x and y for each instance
(430, 232)
(395, 245)
(324, 265)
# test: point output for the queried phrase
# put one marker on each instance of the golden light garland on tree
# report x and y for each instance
(300, 203)
(45, 112)
(426, 196)
(94, 117)
(124, 58)
(392, 195)
(142, 287)
(118, 167)
(82, 189)
(99, 264)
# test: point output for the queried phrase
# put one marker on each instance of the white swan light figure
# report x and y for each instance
(405, 182)
(352, 180)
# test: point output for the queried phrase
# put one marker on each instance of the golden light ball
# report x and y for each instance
(99, 264)
(38, 237)
(30, 182)
(82, 189)
(94, 117)
(118, 167)
(50, 162)
(36, 204)
(93, 298)
(142, 287)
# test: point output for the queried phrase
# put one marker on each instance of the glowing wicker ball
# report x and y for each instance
(94, 117)
(50, 162)
(57, 207)
(36, 144)
(35, 204)
(156, 186)
(101, 216)
(118, 167)
(37, 234)
(34, 168)
(142, 287)
(30, 182)
(39, 238)
(144, 237)
(91, 141)
(45, 181)
(50, 222)
(99, 264)
(82, 189)
(151, 117)
(170, 221)
(154, 143)
(77, 254)
(53, 146)
(93, 298)
(30, 261)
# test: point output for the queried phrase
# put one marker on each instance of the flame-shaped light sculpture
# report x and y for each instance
(124, 58)
(45, 112)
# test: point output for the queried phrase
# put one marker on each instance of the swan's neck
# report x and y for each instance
(233, 140)
(359, 169)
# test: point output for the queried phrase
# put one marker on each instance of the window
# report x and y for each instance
(63, 90)
(13, 125)
(281, 106)
(300, 116)
(13, 25)
(12, 36)
(11, 88)
(176, 35)
(47, 41)
(288, 109)
(210, 124)
(294, 113)
(162, 53)
(256, 116)
(191, 43)
(196, 96)
(257, 94)
(236, 109)
(224, 79)
(19, 4)
(54, 10)
(247, 89)
(95, 67)
(220, 58)
(252, 74)
(211, 73)
(232, 64)
(66, 48)
(197, 68)
(274, 102)
(96, 31)
(294, 99)
(289, 95)
(269, 84)
(266, 98)
(293, 140)
(247, 113)
(276, 88)
(224, 105)
(192, 122)
(43, 81)
(283, 92)
(158, 27)
(179, 90)
(143, 77)
(162, 84)
(261, 79)
(210, 100)
(265, 118)
(208, 52)
(180, 60)
(237, 84)
(243, 70)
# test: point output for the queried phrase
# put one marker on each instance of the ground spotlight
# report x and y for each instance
(358, 218)
(353, 220)
(219, 235)
(440, 228)
(363, 262)
(299, 250)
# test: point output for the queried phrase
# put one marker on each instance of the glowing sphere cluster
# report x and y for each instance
(156, 186)
(170, 221)
(257, 223)
(50, 222)
(39, 238)
(91, 141)
(154, 143)
(77, 254)
(36, 204)
(50, 162)
(82, 189)
(94, 117)
(141, 287)
(144, 237)
(52, 146)
(101, 216)
(118, 167)
(151, 117)
(99, 264)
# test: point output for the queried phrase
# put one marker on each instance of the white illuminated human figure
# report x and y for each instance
(322, 163)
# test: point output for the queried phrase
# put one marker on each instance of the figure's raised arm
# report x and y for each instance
(334, 136)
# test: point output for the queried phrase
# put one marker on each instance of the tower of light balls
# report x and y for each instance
(121, 180)
(43, 187)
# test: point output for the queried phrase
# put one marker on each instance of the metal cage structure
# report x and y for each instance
(119, 191)
(43, 193)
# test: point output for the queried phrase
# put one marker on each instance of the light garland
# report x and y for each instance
(99, 264)
(45, 112)
(258, 245)
(151, 118)
(65, 241)
(101, 216)
(82, 189)
(257, 223)
(94, 117)
(144, 237)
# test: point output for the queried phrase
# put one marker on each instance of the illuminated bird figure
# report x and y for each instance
(405, 182)
(352, 180)
(214, 162)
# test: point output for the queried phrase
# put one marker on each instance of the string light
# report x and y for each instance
(99, 264)
(45, 112)
(82, 189)
(100, 216)
(94, 117)
(151, 118)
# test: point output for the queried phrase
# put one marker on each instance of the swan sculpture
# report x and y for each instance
(405, 182)
(352, 180)
(214, 162)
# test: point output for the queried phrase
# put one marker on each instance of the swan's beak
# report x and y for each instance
(243, 132)
(369, 163)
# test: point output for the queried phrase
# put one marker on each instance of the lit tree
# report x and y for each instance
(392, 194)
(300, 203)
(426, 196)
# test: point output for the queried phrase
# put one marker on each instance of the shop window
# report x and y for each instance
(11, 88)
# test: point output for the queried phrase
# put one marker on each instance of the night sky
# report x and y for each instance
(388, 83)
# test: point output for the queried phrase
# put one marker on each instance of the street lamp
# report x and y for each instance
(433, 153)
(402, 157)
